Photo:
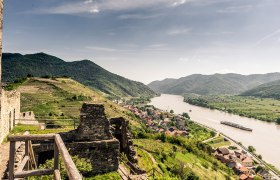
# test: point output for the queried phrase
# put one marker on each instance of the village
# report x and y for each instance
(159, 121)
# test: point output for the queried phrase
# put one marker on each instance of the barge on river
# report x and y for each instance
(236, 126)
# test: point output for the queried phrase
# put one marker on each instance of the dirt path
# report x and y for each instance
(4, 157)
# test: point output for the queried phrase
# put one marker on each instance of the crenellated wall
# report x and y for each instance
(9, 111)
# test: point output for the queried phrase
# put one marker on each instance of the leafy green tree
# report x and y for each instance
(162, 137)
(186, 115)
(172, 111)
(278, 121)
(251, 149)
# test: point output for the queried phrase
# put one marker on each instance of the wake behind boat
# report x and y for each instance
(236, 126)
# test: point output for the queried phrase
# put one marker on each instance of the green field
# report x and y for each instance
(175, 162)
(218, 142)
(264, 109)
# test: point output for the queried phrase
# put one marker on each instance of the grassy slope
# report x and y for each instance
(201, 167)
(268, 90)
(260, 108)
(45, 96)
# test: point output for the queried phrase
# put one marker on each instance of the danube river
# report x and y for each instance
(265, 136)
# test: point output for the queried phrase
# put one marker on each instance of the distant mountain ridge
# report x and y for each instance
(212, 84)
(268, 90)
(85, 71)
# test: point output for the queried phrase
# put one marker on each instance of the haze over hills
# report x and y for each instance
(85, 71)
(267, 90)
(212, 84)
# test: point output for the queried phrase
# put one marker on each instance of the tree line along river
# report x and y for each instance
(265, 137)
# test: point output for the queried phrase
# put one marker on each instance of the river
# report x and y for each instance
(265, 136)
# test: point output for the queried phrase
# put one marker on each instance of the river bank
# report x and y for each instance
(262, 137)
(263, 109)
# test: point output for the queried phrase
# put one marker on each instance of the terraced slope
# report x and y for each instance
(62, 98)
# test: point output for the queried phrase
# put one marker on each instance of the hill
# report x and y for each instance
(52, 98)
(62, 98)
(212, 84)
(267, 90)
(85, 72)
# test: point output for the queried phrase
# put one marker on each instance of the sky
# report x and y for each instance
(147, 40)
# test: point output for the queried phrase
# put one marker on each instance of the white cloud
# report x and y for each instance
(90, 6)
(179, 2)
(138, 16)
(178, 31)
(94, 10)
(268, 36)
(88, 1)
(157, 45)
(237, 9)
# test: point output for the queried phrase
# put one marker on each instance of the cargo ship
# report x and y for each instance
(236, 126)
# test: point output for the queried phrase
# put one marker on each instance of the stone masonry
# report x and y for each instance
(93, 140)
(98, 140)
(9, 111)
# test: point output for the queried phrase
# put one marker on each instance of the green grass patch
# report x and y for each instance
(218, 142)
(176, 161)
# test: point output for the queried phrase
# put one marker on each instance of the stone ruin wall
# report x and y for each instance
(9, 111)
(93, 140)
(98, 140)
(27, 118)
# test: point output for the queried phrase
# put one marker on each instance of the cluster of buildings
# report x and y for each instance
(241, 163)
(160, 121)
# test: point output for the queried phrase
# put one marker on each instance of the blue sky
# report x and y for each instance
(148, 40)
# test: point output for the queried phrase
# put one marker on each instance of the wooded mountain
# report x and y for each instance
(212, 84)
(85, 72)
(268, 90)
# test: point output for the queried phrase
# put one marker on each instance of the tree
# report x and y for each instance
(278, 121)
(251, 149)
(186, 115)
(172, 111)
(162, 137)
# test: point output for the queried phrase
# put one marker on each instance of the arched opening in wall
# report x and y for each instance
(44, 156)
(10, 119)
